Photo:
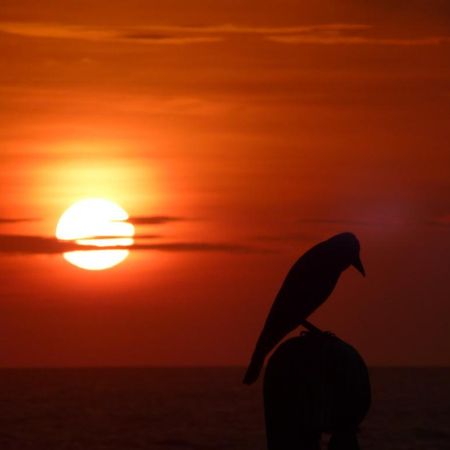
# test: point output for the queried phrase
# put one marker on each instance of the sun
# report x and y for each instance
(98, 222)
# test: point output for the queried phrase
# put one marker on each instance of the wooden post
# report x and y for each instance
(315, 383)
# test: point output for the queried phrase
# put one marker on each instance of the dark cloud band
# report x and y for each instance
(38, 245)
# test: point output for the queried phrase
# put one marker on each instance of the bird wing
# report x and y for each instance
(291, 306)
(305, 288)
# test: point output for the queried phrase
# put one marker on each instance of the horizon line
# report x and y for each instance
(199, 366)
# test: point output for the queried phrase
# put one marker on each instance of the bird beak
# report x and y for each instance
(357, 264)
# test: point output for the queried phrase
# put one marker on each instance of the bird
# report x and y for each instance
(309, 282)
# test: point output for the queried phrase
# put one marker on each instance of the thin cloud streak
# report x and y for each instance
(135, 237)
(442, 221)
(323, 34)
(154, 220)
(198, 247)
(356, 40)
(37, 245)
(40, 245)
(320, 221)
(283, 237)
(6, 220)
(99, 34)
(230, 29)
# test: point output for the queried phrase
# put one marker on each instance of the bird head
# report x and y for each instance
(349, 247)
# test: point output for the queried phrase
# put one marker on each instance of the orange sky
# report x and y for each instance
(256, 129)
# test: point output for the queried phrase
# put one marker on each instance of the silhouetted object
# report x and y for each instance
(308, 284)
(315, 383)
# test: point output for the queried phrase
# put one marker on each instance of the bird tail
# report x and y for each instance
(254, 369)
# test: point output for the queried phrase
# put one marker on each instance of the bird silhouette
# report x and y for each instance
(308, 284)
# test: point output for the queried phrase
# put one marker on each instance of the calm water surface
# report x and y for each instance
(183, 409)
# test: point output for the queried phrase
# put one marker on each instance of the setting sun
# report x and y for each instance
(96, 222)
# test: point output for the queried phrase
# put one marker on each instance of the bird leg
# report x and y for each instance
(310, 327)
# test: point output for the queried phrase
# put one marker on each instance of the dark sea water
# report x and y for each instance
(184, 409)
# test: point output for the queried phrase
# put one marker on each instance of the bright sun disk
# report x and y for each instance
(97, 222)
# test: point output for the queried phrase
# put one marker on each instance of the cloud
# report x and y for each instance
(55, 31)
(321, 221)
(6, 220)
(321, 39)
(39, 245)
(138, 237)
(323, 34)
(441, 221)
(154, 220)
(147, 35)
(198, 247)
(24, 244)
(151, 38)
(232, 29)
(283, 237)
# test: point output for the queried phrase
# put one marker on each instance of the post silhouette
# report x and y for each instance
(315, 383)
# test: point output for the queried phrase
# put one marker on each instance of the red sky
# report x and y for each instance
(263, 128)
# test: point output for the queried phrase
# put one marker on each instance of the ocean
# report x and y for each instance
(197, 408)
